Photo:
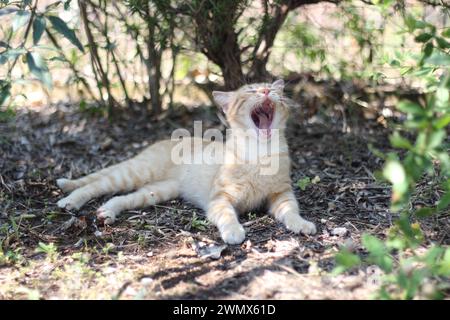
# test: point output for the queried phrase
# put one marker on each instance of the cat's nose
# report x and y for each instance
(265, 91)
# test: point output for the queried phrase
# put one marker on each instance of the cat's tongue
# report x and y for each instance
(264, 121)
(264, 124)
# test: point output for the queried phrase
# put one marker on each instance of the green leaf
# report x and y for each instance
(58, 58)
(3, 58)
(428, 50)
(417, 123)
(424, 37)
(432, 256)
(11, 55)
(303, 183)
(39, 68)
(396, 242)
(345, 260)
(444, 162)
(423, 71)
(394, 63)
(373, 244)
(411, 232)
(442, 43)
(49, 249)
(410, 107)
(378, 252)
(435, 139)
(443, 202)
(38, 29)
(410, 22)
(395, 173)
(62, 28)
(446, 33)
(438, 59)
(398, 141)
(67, 4)
(442, 94)
(424, 212)
(413, 24)
(20, 19)
(444, 268)
(5, 92)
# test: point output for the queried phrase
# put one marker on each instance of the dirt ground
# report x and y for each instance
(154, 253)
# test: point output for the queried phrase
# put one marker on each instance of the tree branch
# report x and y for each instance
(437, 3)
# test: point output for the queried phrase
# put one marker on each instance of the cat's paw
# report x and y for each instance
(297, 224)
(68, 203)
(233, 233)
(108, 216)
(65, 184)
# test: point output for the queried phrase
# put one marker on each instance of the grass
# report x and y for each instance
(198, 223)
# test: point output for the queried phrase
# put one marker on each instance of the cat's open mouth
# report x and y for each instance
(262, 116)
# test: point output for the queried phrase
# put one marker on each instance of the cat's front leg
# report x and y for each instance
(283, 206)
(222, 214)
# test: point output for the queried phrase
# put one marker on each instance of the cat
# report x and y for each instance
(222, 189)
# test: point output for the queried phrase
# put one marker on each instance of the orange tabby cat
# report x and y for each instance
(237, 183)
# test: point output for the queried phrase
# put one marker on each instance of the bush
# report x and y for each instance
(409, 270)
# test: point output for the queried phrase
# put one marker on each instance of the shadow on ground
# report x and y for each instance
(148, 253)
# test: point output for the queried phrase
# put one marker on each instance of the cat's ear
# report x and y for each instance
(278, 84)
(223, 99)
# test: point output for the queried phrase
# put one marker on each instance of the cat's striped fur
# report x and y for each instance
(222, 190)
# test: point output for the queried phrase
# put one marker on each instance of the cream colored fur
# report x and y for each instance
(222, 190)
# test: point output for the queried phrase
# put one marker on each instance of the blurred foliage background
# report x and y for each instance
(154, 56)
(156, 53)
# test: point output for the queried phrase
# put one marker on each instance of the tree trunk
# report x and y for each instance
(217, 38)
(154, 77)
(153, 68)
(231, 67)
(97, 66)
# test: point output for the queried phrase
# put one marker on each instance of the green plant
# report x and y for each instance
(11, 257)
(199, 224)
(110, 247)
(26, 29)
(49, 249)
(303, 183)
(408, 268)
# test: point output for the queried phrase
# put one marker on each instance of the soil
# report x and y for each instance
(151, 253)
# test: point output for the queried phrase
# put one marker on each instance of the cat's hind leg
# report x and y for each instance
(149, 194)
(124, 177)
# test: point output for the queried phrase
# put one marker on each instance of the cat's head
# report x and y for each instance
(261, 107)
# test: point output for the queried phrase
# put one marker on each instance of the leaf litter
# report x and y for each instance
(157, 255)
